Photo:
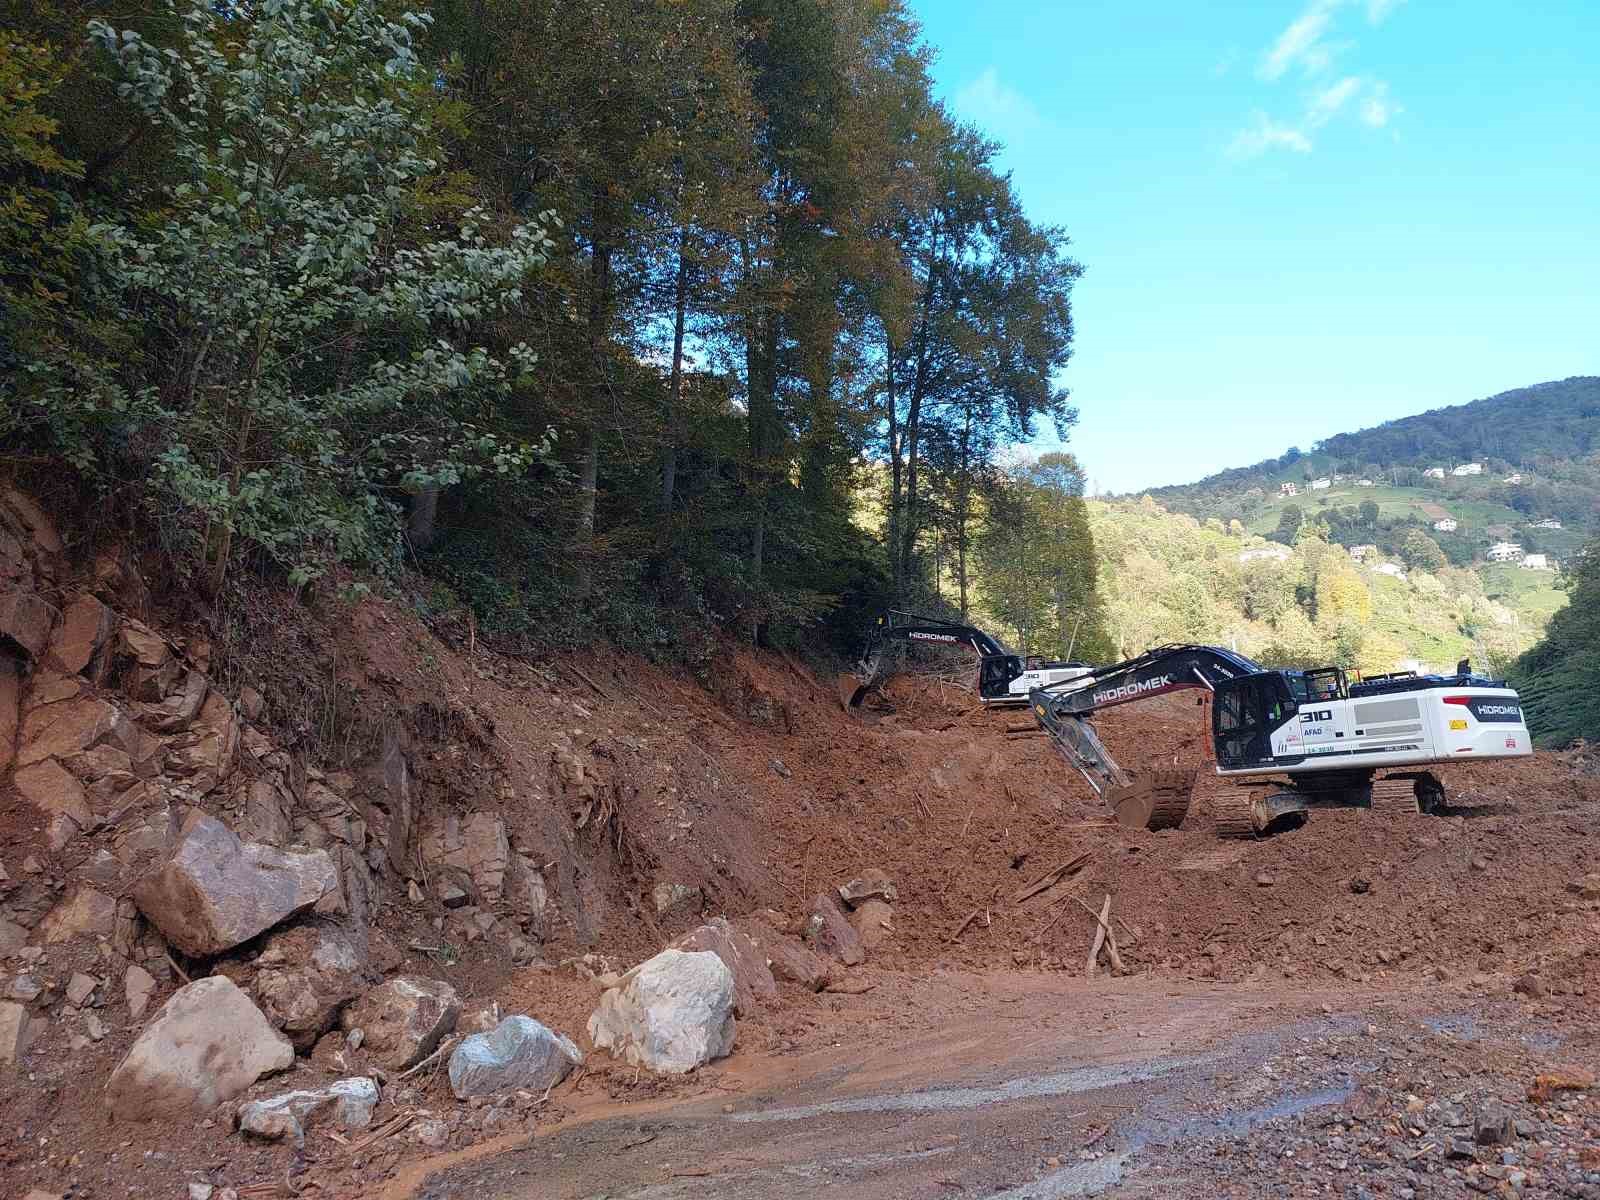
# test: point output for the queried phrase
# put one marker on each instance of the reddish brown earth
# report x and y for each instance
(750, 784)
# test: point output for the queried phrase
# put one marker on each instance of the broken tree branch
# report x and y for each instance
(1089, 967)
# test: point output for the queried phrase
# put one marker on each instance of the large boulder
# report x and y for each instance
(206, 1045)
(831, 935)
(348, 1103)
(216, 891)
(403, 1021)
(26, 619)
(672, 1013)
(79, 643)
(85, 913)
(304, 977)
(788, 959)
(873, 921)
(517, 1053)
(752, 978)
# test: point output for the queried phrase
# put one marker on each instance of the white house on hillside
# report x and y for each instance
(1434, 473)
(1318, 485)
(1547, 523)
(1538, 562)
(1389, 568)
(1468, 469)
(1513, 478)
(1504, 552)
(1363, 483)
(1289, 489)
(1360, 552)
(1445, 525)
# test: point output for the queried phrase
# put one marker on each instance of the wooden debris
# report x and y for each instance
(1105, 928)
(1052, 877)
(444, 1049)
(962, 928)
(387, 1129)
(1099, 939)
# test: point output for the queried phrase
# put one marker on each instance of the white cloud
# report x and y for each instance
(1325, 105)
(1378, 10)
(1302, 44)
(1264, 134)
(1377, 109)
(994, 104)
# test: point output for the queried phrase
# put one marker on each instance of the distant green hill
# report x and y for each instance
(1536, 452)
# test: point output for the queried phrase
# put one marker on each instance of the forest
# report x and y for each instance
(601, 315)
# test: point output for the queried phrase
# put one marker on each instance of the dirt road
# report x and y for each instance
(1043, 1089)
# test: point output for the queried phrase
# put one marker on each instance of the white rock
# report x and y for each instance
(349, 1102)
(518, 1053)
(672, 1013)
(207, 1044)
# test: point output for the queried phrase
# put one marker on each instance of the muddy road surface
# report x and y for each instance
(1045, 1089)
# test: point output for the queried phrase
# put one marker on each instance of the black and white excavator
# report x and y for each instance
(1285, 742)
(1004, 678)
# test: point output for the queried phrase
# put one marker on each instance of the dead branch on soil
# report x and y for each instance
(1089, 968)
(1102, 918)
(445, 1047)
(1052, 877)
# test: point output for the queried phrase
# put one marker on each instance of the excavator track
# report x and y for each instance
(1396, 797)
(1228, 802)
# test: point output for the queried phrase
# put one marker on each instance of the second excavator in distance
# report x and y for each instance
(1284, 742)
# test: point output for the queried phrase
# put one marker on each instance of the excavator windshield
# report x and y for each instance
(1324, 683)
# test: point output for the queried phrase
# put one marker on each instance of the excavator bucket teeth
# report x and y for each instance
(851, 692)
(1158, 801)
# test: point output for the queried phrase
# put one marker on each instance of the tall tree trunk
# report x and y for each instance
(589, 476)
(669, 460)
(892, 411)
(913, 431)
(421, 527)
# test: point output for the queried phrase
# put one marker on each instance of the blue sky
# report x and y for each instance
(1296, 218)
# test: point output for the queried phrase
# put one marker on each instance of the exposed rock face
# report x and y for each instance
(518, 1053)
(138, 986)
(304, 977)
(206, 1045)
(48, 787)
(348, 1103)
(475, 845)
(404, 1019)
(832, 936)
(392, 783)
(672, 1013)
(10, 707)
(85, 913)
(26, 619)
(752, 979)
(215, 891)
(205, 753)
(670, 896)
(527, 894)
(79, 643)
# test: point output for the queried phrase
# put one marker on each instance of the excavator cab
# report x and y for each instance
(1244, 713)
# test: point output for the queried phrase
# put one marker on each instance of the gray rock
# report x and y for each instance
(672, 1013)
(306, 975)
(216, 891)
(17, 1031)
(833, 936)
(349, 1103)
(404, 1019)
(869, 885)
(431, 1132)
(670, 896)
(752, 977)
(518, 1053)
(206, 1045)
(1494, 1127)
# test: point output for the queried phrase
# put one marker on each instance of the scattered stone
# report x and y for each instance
(1531, 986)
(80, 987)
(1494, 1127)
(86, 913)
(349, 1103)
(17, 1031)
(138, 985)
(869, 885)
(673, 1013)
(201, 1191)
(670, 896)
(1480, 863)
(1264, 879)
(1459, 1150)
(431, 1132)
(413, 892)
(873, 921)
(1360, 886)
(1564, 1079)
(1587, 888)
(306, 975)
(833, 936)
(216, 891)
(778, 769)
(404, 1019)
(25, 989)
(752, 978)
(452, 895)
(206, 1045)
(93, 1027)
(518, 1053)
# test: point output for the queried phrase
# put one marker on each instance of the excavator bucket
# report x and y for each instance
(851, 692)
(1156, 801)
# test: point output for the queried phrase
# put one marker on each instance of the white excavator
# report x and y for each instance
(1285, 742)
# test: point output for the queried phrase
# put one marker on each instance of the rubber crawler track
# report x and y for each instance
(1395, 797)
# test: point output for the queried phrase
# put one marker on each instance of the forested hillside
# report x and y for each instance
(595, 313)
(1538, 482)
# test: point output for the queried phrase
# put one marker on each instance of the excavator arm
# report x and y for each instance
(1156, 801)
(997, 666)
